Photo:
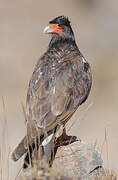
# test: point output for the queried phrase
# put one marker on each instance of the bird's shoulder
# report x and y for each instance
(49, 66)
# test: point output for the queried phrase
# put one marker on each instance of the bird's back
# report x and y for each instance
(60, 82)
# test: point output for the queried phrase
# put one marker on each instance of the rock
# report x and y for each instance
(78, 159)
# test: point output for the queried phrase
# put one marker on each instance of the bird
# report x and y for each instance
(60, 83)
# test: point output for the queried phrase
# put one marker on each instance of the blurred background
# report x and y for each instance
(22, 42)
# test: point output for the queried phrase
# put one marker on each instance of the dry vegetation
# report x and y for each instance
(52, 174)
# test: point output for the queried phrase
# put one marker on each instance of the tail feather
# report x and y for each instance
(30, 144)
(27, 141)
(20, 150)
(28, 156)
(25, 145)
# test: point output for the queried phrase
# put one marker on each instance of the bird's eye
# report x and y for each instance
(59, 25)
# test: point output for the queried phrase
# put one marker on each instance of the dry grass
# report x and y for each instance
(42, 172)
(54, 174)
(107, 176)
(4, 148)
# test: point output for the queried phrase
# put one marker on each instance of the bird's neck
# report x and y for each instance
(60, 47)
(57, 41)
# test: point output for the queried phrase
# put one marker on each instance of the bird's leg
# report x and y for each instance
(64, 139)
(64, 135)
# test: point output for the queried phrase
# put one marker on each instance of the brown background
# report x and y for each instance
(95, 23)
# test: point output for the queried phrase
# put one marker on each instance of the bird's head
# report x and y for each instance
(59, 26)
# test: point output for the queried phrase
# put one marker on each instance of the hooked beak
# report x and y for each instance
(47, 29)
(53, 28)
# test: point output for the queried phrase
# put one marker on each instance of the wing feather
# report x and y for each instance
(56, 91)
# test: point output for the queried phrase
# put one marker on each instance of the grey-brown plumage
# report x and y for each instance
(61, 81)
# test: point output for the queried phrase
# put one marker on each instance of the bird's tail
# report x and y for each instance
(28, 140)
(29, 145)
(20, 150)
(25, 148)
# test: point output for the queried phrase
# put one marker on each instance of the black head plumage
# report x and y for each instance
(61, 20)
(67, 35)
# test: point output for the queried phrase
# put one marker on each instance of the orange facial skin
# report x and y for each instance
(56, 28)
